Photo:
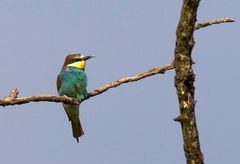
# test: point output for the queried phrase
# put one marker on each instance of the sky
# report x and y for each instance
(132, 123)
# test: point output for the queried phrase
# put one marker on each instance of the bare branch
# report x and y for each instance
(10, 100)
(153, 71)
(218, 21)
(13, 100)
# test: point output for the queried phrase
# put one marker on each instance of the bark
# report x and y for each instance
(184, 81)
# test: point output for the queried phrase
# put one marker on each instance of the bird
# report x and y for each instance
(72, 82)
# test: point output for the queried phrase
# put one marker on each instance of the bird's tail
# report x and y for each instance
(77, 129)
(73, 115)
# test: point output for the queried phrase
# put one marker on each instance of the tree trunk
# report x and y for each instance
(184, 81)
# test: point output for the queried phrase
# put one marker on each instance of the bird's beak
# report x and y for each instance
(88, 57)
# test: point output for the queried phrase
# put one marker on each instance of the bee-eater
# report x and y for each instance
(72, 82)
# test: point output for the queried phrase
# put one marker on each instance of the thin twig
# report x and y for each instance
(218, 21)
(13, 100)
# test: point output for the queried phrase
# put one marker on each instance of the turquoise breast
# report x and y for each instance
(73, 83)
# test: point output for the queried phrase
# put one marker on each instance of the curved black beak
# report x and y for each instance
(87, 57)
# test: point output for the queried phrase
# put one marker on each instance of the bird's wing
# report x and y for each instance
(59, 81)
(81, 85)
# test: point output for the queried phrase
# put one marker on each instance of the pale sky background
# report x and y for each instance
(131, 124)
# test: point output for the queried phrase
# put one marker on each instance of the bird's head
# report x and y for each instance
(76, 60)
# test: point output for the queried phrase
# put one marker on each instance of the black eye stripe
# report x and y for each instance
(77, 59)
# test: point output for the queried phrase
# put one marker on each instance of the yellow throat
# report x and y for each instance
(78, 64)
